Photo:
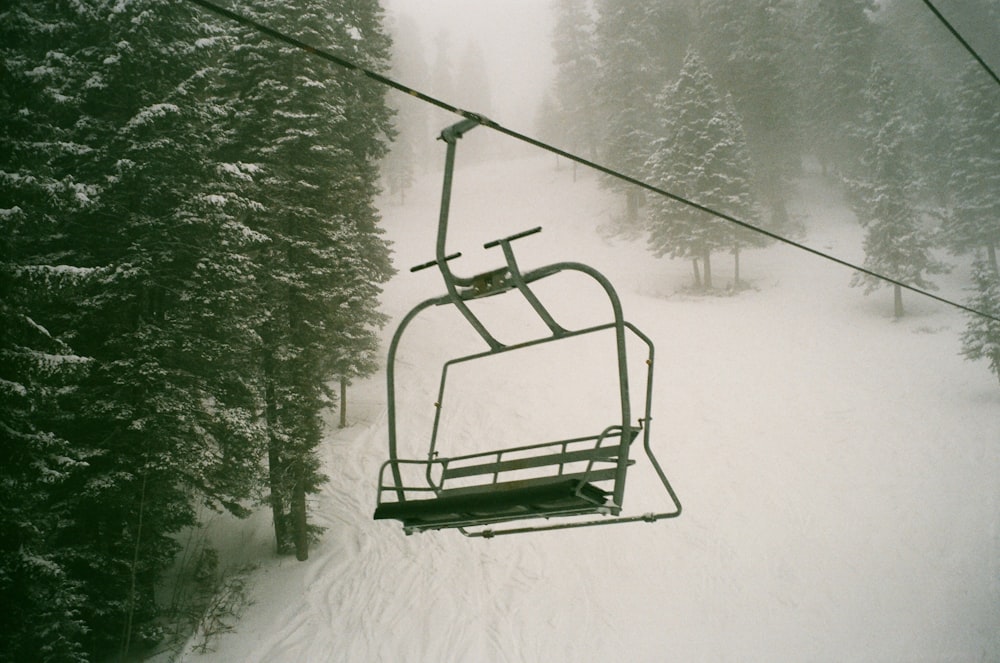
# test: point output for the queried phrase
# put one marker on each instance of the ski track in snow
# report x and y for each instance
(838, 470)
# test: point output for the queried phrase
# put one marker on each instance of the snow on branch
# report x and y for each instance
(151, 113)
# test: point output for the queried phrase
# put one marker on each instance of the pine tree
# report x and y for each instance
(573, 107)
(748, 49)
(319, 272)
(170, 401)
(700, 153)
(974, 223)
(836, 68)
(914, 51)
(981, 338)
(640, 47)
(161, 413)
(974, 162)
(151, 253)
(42, 604)
(897, 242)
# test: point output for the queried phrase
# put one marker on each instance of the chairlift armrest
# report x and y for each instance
(511, 238)
(431, 263)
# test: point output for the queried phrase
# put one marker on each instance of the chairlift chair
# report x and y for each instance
(580, 480)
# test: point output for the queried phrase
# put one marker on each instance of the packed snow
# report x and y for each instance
(838, 470)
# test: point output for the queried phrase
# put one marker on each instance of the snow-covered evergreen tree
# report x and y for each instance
(118, 127)
(834, 72)
(42, 604)
(640, 47)
(914, 50)
(701, 154)
(170, 401)
(981, 338)
(897, 241)
(974, 162)
(170, 210)
(317, 137)
(574, 109)
(748, 47)
(974, 223)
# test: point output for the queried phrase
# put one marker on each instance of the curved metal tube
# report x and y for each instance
(390, 382)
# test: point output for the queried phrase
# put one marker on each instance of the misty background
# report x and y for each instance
(204, 234)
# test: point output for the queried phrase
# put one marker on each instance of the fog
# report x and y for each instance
(513, 37)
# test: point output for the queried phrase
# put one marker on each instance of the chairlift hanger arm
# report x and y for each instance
(451, 134)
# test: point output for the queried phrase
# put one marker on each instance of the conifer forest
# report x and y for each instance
(191, 257)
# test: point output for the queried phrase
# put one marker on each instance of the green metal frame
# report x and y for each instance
(507, 279)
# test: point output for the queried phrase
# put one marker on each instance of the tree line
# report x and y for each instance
(190, 253)
(723, 101)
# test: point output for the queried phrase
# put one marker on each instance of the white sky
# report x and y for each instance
(515, 39)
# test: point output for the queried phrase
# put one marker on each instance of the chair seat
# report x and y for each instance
(495, 502)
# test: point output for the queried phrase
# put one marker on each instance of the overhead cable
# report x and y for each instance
(486, 122)
(962, 41)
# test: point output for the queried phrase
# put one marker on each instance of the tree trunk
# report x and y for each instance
(706, 260)
(343, 402)
(299, 519)
(779, 213)
(897, 303)
(632, 207)
(991, 253)
(697, 273)
(130, 613)
(274, 471)
(277, 503)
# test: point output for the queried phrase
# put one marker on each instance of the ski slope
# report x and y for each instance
(838, 470)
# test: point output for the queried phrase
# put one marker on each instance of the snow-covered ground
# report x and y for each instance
(838, 470)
